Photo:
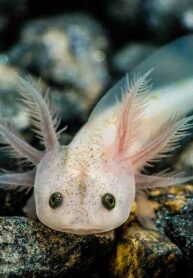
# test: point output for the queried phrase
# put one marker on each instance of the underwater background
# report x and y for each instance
(79, 49)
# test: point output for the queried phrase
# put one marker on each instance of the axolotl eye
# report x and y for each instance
(55, 200)
(108, 201)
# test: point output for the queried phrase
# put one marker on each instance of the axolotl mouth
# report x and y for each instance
(80, 231)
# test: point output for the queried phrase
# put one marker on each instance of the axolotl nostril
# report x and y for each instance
(89, 185)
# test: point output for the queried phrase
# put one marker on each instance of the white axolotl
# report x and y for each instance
(89, 185)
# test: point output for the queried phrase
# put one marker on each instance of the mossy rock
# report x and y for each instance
(143, 253)
(166, 252)
(29, 249)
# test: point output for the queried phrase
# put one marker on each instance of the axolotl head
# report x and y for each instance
(78, 191)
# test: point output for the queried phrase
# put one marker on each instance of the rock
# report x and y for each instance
(166, 252)
(163, 19)
(187, 20)
(12, 202)
(143, 253)
(28, 248)
(71, 106)
(168, 18)
(139, 252)
(185, 160)
(77, 61)
(130, 56)
(180, 230)
(127, 11)
(10, 107)
(174, 210)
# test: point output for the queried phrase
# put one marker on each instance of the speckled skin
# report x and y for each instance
(83, 174)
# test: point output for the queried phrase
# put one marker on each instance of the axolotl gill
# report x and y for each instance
(89, 185)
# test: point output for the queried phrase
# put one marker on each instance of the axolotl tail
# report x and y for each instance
(172, 87)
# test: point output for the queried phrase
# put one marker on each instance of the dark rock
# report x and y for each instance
(143, 253)
(187, 20)
(185, 160)
(174, 217)
(127, 11)
(29, 249)
(180, 230)
(68, 50)
(166, 18)
(12, 202)
(71, 106)
(166, 252)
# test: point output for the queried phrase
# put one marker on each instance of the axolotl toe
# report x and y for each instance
(89, 185)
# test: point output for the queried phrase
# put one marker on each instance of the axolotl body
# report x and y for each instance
(89, 185)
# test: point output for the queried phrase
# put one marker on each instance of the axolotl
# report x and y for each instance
(89, 185)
